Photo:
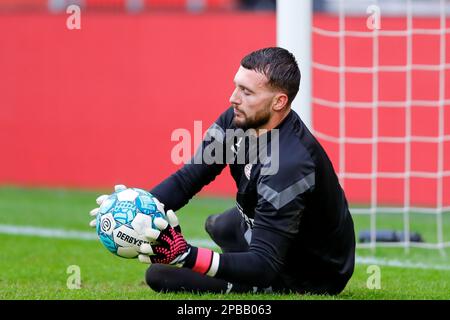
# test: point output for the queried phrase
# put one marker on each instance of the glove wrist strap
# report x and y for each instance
(203, 261)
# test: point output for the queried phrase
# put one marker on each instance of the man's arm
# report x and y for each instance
(282, 198)
(276, 224)
(180, 187)
(281, 202)
(257, 267)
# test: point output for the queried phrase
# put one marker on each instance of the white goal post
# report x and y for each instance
(297, 15)
(296, 31)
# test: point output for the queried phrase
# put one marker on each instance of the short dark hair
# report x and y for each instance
(279, 66)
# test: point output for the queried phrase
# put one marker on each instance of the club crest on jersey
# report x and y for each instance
(248, 170)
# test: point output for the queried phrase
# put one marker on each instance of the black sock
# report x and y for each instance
(164, 278)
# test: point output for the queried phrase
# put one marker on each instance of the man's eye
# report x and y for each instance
(246, 92)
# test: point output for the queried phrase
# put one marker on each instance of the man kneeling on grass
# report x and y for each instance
(291, 229)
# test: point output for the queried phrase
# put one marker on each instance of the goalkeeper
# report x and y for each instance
(291, 229)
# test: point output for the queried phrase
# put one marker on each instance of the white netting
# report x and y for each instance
(393, 168)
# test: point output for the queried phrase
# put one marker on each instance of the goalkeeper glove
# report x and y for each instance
(99, 200)
(168, 246)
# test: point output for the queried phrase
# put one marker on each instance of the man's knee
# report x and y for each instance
(211, 225)
(227, 231)
(221, 229)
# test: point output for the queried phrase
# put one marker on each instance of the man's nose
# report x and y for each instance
(234, 99)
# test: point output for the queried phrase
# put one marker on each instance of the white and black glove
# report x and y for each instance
(167, 244)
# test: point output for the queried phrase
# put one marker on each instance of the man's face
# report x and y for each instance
(251, 99)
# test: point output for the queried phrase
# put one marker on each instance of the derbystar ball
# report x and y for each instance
(123, 217)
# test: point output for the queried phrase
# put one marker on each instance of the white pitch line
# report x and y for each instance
(46, 232)
(84, 235)
(70, 234)
(399, 264)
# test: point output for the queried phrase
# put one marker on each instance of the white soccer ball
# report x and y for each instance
(123, 217)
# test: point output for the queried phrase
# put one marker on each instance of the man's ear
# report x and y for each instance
(280, 101)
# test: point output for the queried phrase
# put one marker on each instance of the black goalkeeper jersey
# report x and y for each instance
(288, 193)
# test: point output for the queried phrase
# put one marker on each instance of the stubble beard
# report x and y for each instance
(256, 122)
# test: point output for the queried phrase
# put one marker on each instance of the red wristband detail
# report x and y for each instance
(203, 261)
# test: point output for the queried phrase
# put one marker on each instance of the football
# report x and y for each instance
(122, 219)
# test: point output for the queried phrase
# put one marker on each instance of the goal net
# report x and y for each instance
(380, 105)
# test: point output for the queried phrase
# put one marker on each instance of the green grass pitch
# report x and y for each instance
(35, 267)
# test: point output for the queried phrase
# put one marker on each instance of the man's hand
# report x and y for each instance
(99, 200)
(168, 245)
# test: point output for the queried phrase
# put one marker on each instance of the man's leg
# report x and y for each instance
(228, 230)
(164, 278)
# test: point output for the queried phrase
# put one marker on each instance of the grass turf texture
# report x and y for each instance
(36, 267)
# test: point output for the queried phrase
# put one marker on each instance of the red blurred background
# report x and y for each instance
(97, 106)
